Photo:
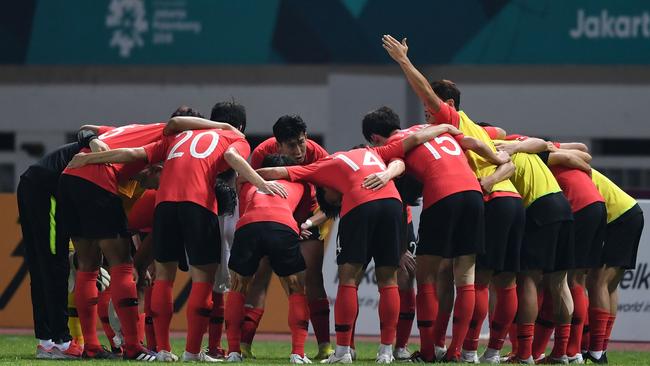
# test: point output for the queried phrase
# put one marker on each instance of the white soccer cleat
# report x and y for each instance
(166, 356)
(333, 358)
(440, 352)
(234, 357)
(198, 357)
(469, 356)
(576, 359)
(298, 359)
(43, 353)
(402, 354)
(385, 358)
(490, 359)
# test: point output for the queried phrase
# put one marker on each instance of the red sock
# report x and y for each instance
(525, 334)
(480, 312)
(252, 317)
(505, 310)
(319, 312)
(597, 328)
(162, 308)
(544, 326)
(345, 312)
(234, 314)
(354, 326)
(102, 311)
(440, 328)
(125, 301)
(86, 298)
(578, 319)
(141, 327)
(463, 310)
(388, 313)
(560, 340)
(148, 319)
(584, 345)
(199, 307)
(608, 331)
(406, 316)
(427, 307)
(298, 322)
(215, 329)
(513, 336)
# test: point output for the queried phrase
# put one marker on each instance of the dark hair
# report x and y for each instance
(232, 113)
(274, 160)
(446, 89)
(382, 121)
(484, 124)
(289, 127)
(328, 209)
(360, 146)
(186, 111)
(226, 198)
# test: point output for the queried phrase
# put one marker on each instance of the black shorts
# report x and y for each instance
(548, 246)
(453, 226)
(411, 239)
(258, 239)
(181, 228)
(371, 231)
(505, 218)
(589, 226)
(89, 211)
(622, 239)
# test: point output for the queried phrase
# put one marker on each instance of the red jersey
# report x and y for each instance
(345, 171)
(314, 152)
(577, 186)
(107, 176)
(492, 132)
(141, 214)
(193, 159)
(255, 206)
(440, 165)
(446, 114)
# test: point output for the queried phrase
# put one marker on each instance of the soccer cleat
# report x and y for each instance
(489, 359)
(402, 354)
(247, 351)
(469, 356)
(577, 359)
(298, 359)
(601, 361)
(73, 352)
(440, 352)
(384, 358)
(507, 357)
(333, 358)
(166, 356)
(564, 360)
(234, 357)
(324, 351)
(117, 351)
(218, 353)
(139, 354)
(43, 353)
(416, 357)
(516, 360)
(198, 357)
(100, 353)
(353, 354)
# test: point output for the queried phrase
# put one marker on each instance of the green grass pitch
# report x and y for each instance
(19, 350)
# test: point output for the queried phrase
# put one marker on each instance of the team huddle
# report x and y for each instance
(512, 226)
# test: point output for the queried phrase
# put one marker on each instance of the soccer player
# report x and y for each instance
(448, 186)
(266, 227)
(370, 225)
(46, 247)
(186, 213)
(96, 221)
(290, 139)
(590, 215)
(504, 212)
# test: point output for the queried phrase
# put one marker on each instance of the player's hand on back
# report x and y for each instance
(98, 145)
(510, 148)
(376, 181)
(395, 49)
(503, 157)
(273, 187)
(78, 161)
(407, 262)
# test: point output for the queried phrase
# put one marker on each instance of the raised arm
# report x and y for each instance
(183, 123)
(481, 148)
(418, 82)
(427, 134)
(244, 170)
(124, 155)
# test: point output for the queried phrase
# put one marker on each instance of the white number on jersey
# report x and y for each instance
(454, 150)
(116, 131)
(369, 159)
(195, 141)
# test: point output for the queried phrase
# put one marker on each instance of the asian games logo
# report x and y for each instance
(127, 19)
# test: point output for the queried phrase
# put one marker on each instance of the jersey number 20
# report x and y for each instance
(214, 141)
